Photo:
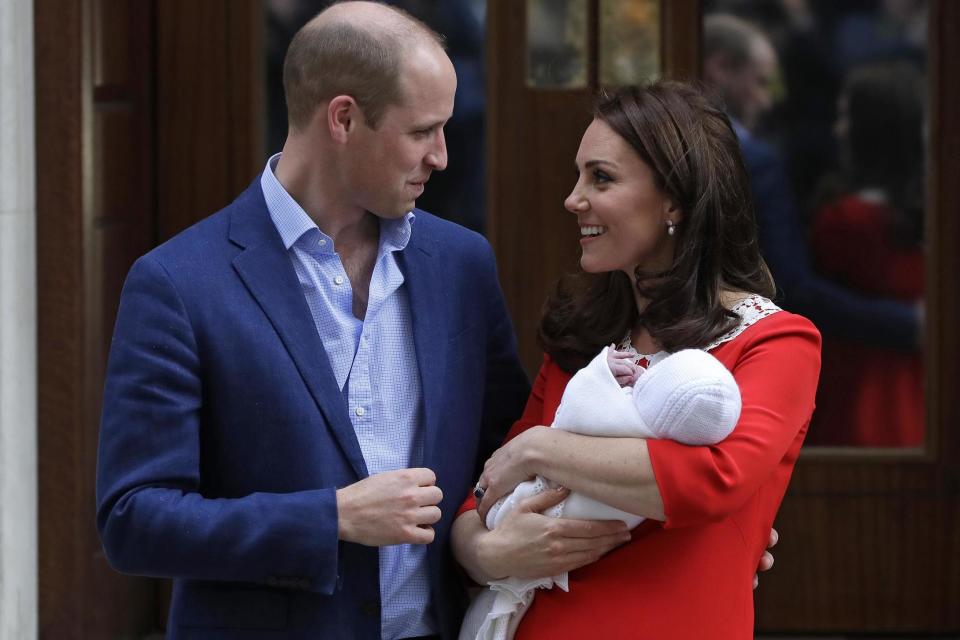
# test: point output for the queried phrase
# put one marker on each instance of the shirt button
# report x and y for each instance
(361, 411)
(322, 242)
(338, 280)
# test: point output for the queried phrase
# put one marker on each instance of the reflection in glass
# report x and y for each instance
(868, 236)
(557, 44)
(629, 41)
(828, 103)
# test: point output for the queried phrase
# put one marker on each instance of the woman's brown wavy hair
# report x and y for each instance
(695, 157)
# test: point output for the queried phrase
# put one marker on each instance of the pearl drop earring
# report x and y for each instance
(671, 228)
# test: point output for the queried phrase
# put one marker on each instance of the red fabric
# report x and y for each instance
(692, 576)
(870, 395)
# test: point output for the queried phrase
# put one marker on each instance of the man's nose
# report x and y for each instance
(437, 157)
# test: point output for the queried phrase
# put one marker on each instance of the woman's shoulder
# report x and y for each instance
(762, 319)
(551, 372)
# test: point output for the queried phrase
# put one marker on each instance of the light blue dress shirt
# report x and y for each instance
(376, 367)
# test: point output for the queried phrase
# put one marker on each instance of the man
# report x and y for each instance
(301, 386)
(741, 64)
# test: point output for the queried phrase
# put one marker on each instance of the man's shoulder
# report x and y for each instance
(209, 235)
(450, 236)
(759, 155)
(438, 227)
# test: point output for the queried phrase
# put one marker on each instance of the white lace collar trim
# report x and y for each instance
(751, 310)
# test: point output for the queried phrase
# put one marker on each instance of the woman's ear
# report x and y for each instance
(341, 115)
(671, 211)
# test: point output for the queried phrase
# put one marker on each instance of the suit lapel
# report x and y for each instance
(265, 268)
(425, 283)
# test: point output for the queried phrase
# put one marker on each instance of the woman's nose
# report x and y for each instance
(575, 202)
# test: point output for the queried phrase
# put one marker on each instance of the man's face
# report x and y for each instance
(747, 89)
(389, 165)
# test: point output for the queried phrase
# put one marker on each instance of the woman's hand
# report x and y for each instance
(530, 545)
(506, 468)
(766, 560)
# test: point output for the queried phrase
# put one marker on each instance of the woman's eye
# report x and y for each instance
(601, 176)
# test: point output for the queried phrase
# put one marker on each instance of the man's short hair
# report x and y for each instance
(333, 57)
(731, 36)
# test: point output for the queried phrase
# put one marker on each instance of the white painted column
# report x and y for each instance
(18, 325)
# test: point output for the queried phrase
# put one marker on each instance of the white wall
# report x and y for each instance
(18, 325)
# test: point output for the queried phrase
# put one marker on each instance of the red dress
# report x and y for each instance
(692, 576)
(870, 395)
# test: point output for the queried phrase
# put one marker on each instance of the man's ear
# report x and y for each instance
(342, 113)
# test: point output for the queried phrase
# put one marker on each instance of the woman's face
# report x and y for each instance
(622, 215)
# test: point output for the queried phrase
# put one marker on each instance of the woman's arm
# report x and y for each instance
(616, 471)
(530, 545)
(776, 369)
(699, 483)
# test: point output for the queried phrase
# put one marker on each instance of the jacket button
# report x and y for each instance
(371, 609)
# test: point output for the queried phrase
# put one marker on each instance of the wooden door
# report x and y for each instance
(148, 119)
(93, 119)
(869, 541)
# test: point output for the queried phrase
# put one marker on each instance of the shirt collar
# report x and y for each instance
(293, 223)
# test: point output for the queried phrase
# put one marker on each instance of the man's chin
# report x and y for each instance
(394, 213)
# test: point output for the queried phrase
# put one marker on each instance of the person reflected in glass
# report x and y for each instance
(740, 65)
(870, 238)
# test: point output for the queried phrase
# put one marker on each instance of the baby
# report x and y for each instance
(688, 396)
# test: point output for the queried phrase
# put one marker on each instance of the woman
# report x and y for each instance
(670, 261)
(873, 396)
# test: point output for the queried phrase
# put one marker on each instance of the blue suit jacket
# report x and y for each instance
(224, 435)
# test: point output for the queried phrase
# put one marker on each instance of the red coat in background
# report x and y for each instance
(869, 395)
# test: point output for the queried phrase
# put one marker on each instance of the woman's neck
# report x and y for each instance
(640, 337)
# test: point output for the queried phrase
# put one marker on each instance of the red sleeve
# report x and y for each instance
(532, 416)
(776, 369)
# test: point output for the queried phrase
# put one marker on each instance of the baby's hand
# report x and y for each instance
(622, 366)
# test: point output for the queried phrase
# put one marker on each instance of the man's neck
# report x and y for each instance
(305, 177)
(354, 231)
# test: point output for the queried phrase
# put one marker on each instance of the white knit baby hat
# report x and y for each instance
(690, 397)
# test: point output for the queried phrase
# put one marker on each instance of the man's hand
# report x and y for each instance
(395, 507)
(766, 560)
